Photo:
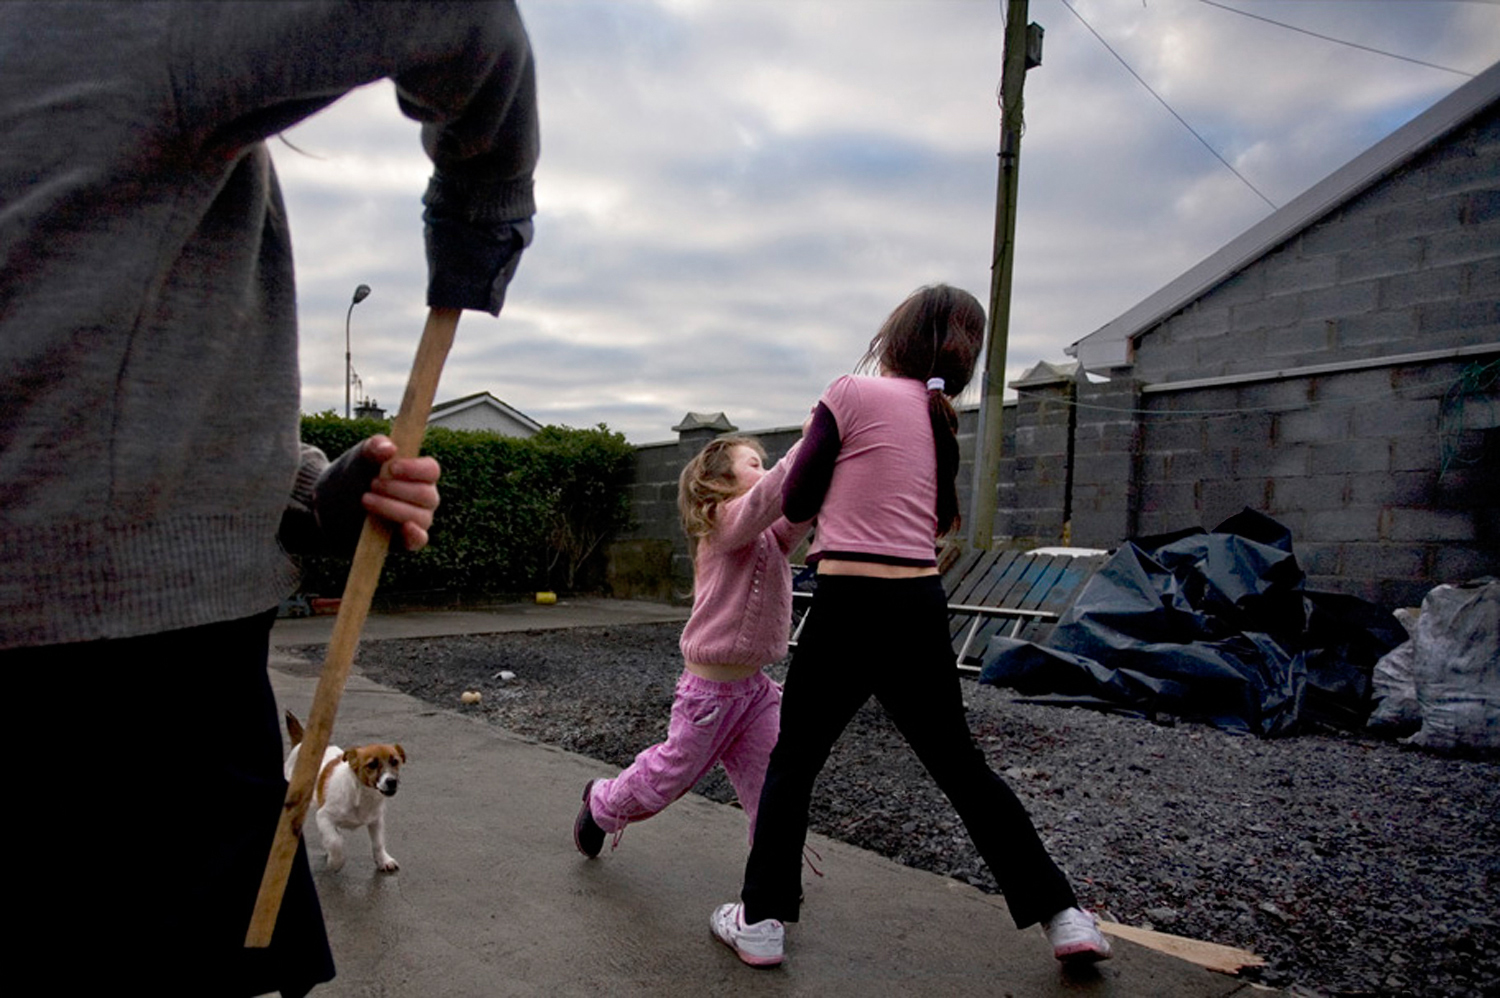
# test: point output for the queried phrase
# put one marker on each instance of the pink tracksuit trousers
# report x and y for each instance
(733, 723)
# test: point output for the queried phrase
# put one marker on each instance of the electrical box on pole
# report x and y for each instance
(1023, 50)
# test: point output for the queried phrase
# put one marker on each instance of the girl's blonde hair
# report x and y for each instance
(708, 481)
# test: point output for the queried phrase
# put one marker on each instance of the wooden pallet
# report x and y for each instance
(1020, 594)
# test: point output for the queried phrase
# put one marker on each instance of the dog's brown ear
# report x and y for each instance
(401, 752)
(351, 756)
(293, 729)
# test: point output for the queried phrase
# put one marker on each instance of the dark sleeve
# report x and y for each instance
(480, 129)
(337, 500)
(326, 512)
(242, 72)
(470, 266)
(807, 482)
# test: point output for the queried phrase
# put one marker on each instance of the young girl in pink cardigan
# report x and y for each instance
(726, 709)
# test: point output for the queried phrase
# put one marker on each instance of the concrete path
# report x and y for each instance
(493, 900)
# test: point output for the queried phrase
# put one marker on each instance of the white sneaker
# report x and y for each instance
(759, 944)
(1075, 937)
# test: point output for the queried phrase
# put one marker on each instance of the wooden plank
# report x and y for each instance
(1075, 572)
(978, 573)
(1063, 593)
(983, 592)
(978, 581)
(1002, 566)
(1026, 594)
(1048, 569)
(1001, 584)
(1214, 956)
(1006, 566)
(954, 577)
(1008, 589)
(1014, 580)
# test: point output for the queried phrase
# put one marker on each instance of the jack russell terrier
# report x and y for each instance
(351, 789)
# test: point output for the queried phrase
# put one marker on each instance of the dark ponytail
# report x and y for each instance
(935, 335)
(945, 439)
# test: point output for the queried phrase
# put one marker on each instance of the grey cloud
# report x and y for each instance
(733, 196)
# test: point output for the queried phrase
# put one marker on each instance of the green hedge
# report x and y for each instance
(517, 514)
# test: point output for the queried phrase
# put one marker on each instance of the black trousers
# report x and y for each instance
(156, 765)
(888, 638)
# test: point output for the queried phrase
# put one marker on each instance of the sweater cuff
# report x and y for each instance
(310, 464)
(467, 195)
(299, 532)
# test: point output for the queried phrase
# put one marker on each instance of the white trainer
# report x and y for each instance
(1075, 937)
(758, 944)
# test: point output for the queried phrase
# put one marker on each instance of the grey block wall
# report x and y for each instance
(653, 498)
(1412, 263)
(1385, 477)
(1374, 464)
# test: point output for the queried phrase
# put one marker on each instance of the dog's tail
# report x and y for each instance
(293, 729)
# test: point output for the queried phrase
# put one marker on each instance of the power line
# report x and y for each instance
(1229, 166)
(1336, 41)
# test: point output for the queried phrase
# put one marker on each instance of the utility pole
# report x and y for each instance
(1023, 50)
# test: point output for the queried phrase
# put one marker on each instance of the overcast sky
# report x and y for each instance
(733, 195)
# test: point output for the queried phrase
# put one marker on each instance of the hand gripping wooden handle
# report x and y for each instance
(359, 590)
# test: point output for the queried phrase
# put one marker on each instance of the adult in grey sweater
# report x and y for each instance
(145, 282)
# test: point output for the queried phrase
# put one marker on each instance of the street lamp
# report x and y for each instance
(360, 294)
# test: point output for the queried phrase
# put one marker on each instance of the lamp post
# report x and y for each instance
(360, 294)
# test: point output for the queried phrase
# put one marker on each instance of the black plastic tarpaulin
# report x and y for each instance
(1212, 625)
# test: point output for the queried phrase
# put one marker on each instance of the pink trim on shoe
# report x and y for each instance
(759, 945)
(1075, 937)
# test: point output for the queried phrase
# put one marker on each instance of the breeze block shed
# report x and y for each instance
(1336, 367)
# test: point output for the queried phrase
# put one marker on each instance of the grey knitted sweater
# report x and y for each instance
(148, 349)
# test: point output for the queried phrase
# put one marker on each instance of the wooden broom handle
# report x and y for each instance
(359, 590)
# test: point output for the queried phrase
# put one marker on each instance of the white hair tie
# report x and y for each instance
(935, 384)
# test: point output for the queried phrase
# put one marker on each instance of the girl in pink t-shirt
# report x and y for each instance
(726, 709)
(878, 464)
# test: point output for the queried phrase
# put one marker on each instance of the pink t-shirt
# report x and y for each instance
(882, 499)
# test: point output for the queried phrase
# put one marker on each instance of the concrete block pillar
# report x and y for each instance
(1043, 471)
(694, 431)
(698, 428)
(1106, 460)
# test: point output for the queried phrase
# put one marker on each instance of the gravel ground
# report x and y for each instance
(1354, 867)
